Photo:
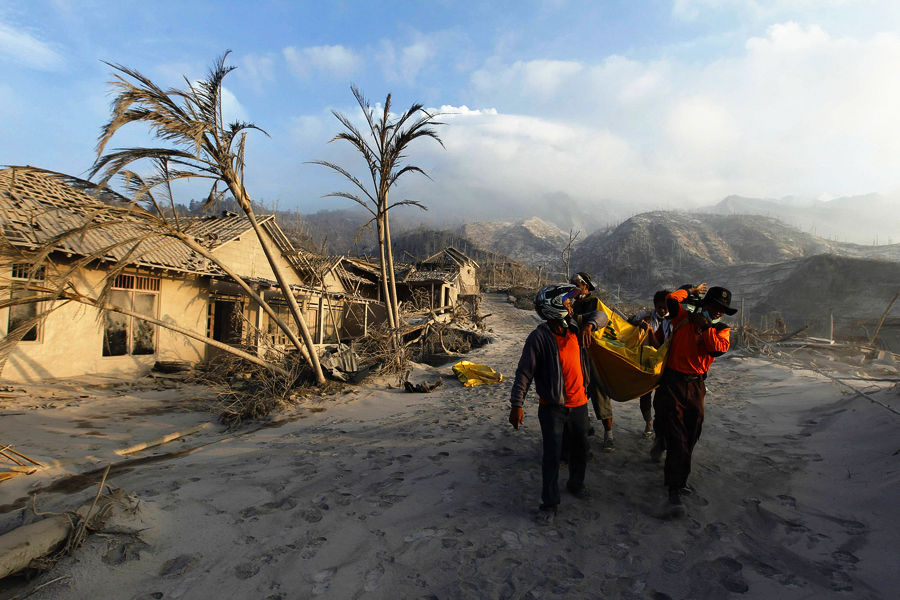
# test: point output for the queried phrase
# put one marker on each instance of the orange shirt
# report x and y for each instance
(573, 378)
(691, 347)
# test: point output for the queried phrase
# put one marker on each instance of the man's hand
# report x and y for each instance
(700, 289)
(516, 416)
(586, 337)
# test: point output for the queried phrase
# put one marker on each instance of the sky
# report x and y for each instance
(656, 104)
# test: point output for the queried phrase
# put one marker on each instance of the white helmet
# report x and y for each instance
(548, 303)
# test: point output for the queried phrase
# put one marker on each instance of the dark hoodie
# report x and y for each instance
(540, 363)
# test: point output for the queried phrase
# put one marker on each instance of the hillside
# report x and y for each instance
(532, 241)
(655, 249)
(418, 244)
(872, 218)
(807, 291)
(856, 291)
(344, 231)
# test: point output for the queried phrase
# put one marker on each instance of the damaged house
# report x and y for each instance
(163, 279)
(440, 282)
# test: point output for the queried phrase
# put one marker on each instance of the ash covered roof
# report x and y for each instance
(37, 207)
(450, 257)
(414, 275)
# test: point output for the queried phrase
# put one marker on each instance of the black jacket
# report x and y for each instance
(540, 363)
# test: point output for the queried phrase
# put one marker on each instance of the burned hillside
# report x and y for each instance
(775, 270)
(661, 248)
(532, 241)
(657, 248)
(855, 291)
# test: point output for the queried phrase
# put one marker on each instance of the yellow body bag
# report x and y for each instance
(627, 364)
(470, 374)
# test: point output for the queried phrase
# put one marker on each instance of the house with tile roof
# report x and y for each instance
(95, 236)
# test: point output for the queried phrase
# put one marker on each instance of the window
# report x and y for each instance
(22, 313)
(277, 337)
(124, 334)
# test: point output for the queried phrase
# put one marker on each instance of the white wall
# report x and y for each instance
(70, 341)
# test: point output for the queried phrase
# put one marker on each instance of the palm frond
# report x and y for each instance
(407, 169)
(408, 203)
(154, 105)
(140, 189)
(355, 137)
(364, 105)
(238, 127)
(339, 169)
(113, 162)
(349, 196)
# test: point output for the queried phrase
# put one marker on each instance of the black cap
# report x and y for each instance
(581, 275)
(720, 297)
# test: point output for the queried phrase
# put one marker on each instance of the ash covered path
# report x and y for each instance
(393, 495)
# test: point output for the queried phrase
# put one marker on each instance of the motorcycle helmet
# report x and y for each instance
(548, 302)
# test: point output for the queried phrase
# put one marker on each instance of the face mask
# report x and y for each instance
(709, 318)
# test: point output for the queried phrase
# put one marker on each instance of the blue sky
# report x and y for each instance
(656, 104)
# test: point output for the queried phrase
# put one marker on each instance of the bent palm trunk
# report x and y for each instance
(238, 191)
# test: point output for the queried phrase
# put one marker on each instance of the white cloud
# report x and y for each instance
(528, 157)
(232, 110)
(26, 49)
(334, 61)
(788, 37)
(257, 70)
(692, 10)
(799, 112)
(406, 62)
(537, 79)
(311, 130)
(413, 58)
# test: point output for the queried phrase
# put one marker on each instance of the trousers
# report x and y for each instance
(557, 421)
(679, 419)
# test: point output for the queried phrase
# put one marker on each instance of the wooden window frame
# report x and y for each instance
(133, 284)
(25, 272)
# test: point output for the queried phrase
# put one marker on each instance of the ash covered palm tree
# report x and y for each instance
(200, 145)
(383, 147)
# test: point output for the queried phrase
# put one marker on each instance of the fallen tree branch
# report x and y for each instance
(80, 531)
(37, 543)
(20, 455)
(13, 459)
(161, 440)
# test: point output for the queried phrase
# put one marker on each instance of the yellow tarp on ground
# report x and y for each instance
(628, 368)
(474, 374)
